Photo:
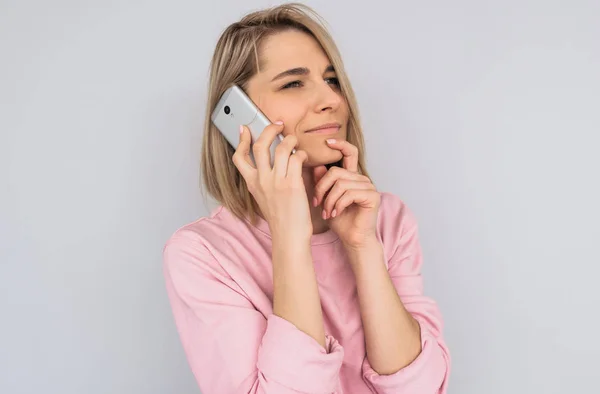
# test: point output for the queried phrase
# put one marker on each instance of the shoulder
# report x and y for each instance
(394, 215)
(197, 242)
(195, 232)
(198, 263)
(396, 226)
(398, 232)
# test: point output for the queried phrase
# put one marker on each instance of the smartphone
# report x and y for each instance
(235, 108)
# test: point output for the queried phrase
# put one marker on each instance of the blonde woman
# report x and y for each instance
(305, 279)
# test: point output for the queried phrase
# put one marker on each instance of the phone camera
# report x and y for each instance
(227, 110)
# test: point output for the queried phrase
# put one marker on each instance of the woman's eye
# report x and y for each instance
(333, 81)
(294, 84)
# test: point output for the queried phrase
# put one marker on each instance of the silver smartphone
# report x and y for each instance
(235, 108)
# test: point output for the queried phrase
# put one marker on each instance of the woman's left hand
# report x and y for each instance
(353, 201)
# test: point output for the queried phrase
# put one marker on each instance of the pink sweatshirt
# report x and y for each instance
(219, 280)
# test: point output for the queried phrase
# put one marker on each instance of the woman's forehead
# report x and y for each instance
(291, 49)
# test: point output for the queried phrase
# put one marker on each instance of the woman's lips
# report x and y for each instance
(327, 130)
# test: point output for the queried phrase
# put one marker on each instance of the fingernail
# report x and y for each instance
(315, 201)
(241, 129)
(331, 141)
(333, 213)
(324, 215)
(279, 122)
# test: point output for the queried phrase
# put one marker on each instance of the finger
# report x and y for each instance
(349, 151)
(262, 146)
(329, 179)
(241, 157)
(282, 155)
(295, 163)
(338, 190)
(364, 198)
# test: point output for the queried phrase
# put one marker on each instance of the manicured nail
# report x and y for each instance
(333, 213)
(241, 129)
(324, 215)
(331, 141)
(315, 201)
(279, 122)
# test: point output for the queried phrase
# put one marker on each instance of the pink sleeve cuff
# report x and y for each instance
(425, 375)
(296, 360)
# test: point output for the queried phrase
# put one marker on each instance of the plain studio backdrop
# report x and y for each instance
(484, 117)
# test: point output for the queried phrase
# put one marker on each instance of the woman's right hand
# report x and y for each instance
(281, 196)
(279, 189)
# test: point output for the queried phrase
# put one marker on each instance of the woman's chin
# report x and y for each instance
(323, 157)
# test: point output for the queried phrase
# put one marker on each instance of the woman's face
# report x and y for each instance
(297, 85)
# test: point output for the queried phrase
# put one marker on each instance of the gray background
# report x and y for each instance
(483, 116)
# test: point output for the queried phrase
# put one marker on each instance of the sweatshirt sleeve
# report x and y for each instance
(230, 346)
(429, 372)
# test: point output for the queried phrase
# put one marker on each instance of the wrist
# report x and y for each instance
(365, 252)
(290, 246)
(283, 231)
(366, 245)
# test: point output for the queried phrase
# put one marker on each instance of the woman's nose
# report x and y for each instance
(326, 98)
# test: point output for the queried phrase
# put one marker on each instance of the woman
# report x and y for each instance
(305, 279)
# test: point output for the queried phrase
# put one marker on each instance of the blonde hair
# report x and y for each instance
(235, 61)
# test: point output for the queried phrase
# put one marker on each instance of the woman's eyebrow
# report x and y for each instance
(298, 71)
(292, 71)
